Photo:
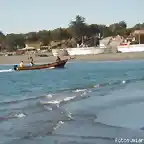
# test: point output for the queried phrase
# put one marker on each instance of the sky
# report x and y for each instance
(22, 16)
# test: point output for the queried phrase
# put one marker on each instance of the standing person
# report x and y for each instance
(31, 61)
(58, 59)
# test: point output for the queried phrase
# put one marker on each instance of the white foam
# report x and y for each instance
(69, 98)
(51, 102)
(123, 81)
(51, 68)
(20, 115)
(80, 90)
(84, 94)
(97, 86)
(69, 115)
(57, 101)
(8, 70)
(48, 108)
(58, 125)
(49, 96)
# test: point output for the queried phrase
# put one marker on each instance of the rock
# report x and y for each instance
(63, 52)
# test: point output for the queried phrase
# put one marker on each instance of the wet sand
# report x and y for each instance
(100, 57)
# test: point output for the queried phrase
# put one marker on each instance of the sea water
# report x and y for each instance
(85, 103)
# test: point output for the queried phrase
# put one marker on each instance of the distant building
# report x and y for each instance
(139, 36)
(138, 32)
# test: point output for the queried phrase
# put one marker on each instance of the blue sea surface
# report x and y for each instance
(85, 103)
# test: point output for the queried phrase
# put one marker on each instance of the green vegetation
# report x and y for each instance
(66, 37)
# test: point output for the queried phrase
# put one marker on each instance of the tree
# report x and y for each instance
(122, 24)
(107, 32)
(114, 27)
(44, 36)
(56, 34)
(15, 41)
(93, 29)
(139, 26)
(1, 34)
(78, 26)
(2, 41)
(67, 36)
(31, 36)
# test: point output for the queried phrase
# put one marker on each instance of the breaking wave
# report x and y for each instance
(6, 70)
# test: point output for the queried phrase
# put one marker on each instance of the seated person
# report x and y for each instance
(31, 63)
(58, 59)
(21, 64)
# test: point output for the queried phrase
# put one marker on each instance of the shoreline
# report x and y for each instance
(100, 57)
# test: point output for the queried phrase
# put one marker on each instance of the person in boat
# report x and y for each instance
(21, 64)
(31, 61)
(58, 59)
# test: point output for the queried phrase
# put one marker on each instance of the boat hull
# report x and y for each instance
(59, 64)
(131, 48)
(80, 51)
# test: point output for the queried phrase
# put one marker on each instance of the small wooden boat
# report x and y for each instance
(57, 64)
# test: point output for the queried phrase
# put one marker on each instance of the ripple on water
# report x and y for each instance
(86, 103)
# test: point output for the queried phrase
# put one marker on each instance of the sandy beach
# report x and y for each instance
(100, 57)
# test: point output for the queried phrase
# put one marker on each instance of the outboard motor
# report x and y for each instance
(15, 67)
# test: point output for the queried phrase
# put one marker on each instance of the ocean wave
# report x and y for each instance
(83, 91)
(54, 100)
(12, 116)
(61, 99)
(79, 90)
(6, 70)
(19, 100)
